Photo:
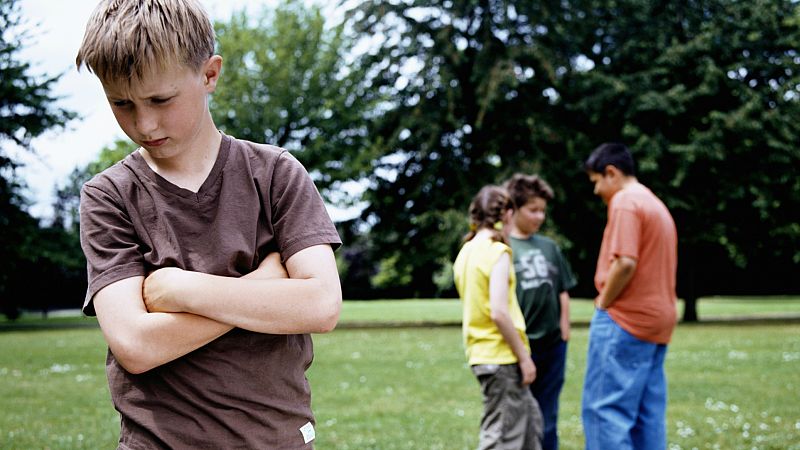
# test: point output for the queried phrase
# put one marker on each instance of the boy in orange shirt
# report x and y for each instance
(625, 390)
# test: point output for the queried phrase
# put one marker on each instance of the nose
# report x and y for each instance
(146, 121)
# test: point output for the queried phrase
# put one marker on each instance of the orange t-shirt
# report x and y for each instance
(641, 227)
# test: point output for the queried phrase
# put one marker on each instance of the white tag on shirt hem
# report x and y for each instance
(308, 432)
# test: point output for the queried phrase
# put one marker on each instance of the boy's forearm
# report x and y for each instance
(563, 298)
(140, 340)
(276, 306)
(264, 301)
(164, 337)
(619, 275)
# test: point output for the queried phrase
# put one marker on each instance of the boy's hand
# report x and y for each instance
(158, 288)
(565, 330)
(528, 370)
(161, 288)
(269, 268)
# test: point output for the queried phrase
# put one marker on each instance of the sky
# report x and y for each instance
(56, 33)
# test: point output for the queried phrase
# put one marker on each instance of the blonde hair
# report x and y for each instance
(127, 39)
(486, 210)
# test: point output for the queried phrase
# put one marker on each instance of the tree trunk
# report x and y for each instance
(690, 308)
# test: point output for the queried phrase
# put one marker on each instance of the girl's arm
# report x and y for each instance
(308, 301)
(498, 304)
(141, 340)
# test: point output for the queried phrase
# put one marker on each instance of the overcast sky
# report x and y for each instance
(58, 28)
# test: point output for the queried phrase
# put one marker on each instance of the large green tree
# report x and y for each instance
(705, 92)
(66, 208)
(27, 109)
(288, 80)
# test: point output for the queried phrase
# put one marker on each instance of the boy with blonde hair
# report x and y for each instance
(210, 259)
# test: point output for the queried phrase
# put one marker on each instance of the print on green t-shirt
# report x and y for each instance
(542, 274)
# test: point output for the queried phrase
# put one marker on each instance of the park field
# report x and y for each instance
(733, 385)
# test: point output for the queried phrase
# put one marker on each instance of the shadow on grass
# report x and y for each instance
(773, 319)
(60, 323)
(66, 323)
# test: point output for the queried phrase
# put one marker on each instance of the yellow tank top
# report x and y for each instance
(471, 270)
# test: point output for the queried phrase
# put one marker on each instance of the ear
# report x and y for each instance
(509, 215)
(611, 171)
(211, 72)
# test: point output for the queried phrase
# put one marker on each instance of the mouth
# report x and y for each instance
(155, 142)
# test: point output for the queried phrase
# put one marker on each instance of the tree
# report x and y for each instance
(288, 80)
(704, 91)
(27, 109)
(67, 204)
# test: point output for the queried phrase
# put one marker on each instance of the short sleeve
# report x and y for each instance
(300, 219)
(493, 255)
(109, 242)
(624, 233)
(567, 278)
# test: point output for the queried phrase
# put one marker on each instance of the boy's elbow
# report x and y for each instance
(132, 362)
(329, 311)
(133, 357)
(627, 265)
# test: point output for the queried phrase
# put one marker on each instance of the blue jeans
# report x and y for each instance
(550, 365)
(625, 390)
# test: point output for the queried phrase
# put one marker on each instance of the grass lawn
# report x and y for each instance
(449, 310)
(731, 387)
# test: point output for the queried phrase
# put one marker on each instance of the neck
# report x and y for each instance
(195, 159)
(517, 234)
(188, 168)
(483, 233)
(629, 181)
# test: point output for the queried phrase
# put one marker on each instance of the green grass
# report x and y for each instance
(731, 387)
(449, 310)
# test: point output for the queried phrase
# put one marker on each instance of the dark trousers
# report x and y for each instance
(550, 367)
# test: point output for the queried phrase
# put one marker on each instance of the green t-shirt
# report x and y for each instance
(542, 274)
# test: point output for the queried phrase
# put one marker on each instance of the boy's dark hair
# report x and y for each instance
(522, 188)
(611, 154)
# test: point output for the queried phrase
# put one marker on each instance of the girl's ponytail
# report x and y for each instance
(486, 211)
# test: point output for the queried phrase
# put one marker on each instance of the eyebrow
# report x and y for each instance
(155, 96)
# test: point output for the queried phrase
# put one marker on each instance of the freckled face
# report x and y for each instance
(530, 217)
(164, 113)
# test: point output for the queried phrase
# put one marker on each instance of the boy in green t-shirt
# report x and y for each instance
(543, 279)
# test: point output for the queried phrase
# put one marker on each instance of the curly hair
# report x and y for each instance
(522, 188)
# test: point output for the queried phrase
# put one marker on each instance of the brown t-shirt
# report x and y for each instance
(245, 389)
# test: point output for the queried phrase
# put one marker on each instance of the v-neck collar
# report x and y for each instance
(210, 181)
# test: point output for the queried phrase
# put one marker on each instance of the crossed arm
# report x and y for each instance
(149, 322)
